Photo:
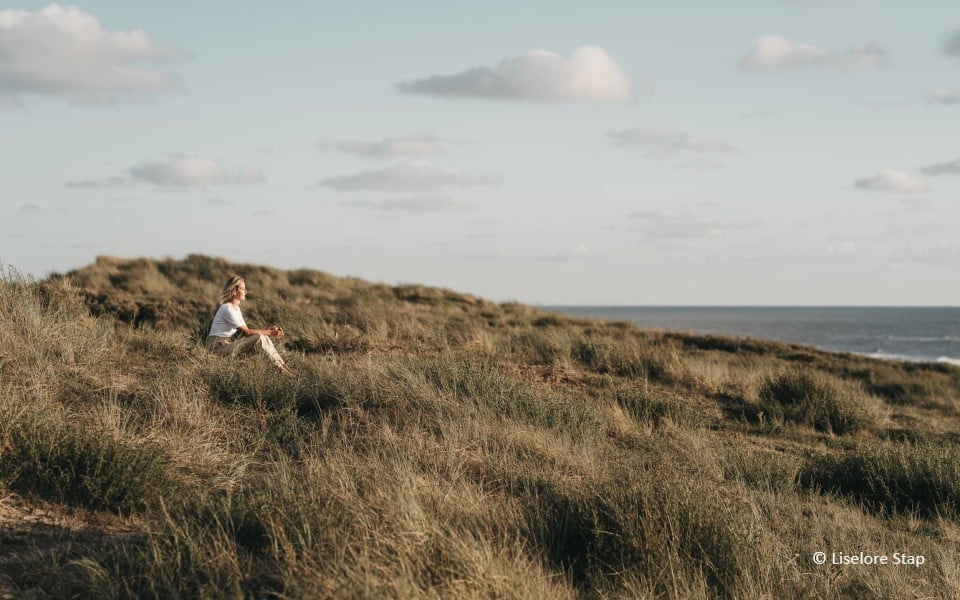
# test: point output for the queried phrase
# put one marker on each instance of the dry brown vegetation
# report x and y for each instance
(434, 444)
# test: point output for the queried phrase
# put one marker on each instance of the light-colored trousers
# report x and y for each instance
(245, 344)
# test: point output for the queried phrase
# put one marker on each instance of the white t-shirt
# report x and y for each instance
(226, 321)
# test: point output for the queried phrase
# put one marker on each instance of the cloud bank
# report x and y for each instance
(180, 172)
(664, 141)
(194, 172)
(773, 53)
(948, 168)
(892, 180)
(408, 177)
(91, 184)
(951, 46)
(418, 145)
(539, 75)
(64, 51)
(943, 97)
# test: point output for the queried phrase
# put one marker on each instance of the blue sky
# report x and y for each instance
(746, 152)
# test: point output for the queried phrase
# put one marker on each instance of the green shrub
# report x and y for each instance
(814, 398)
(891, 476)
(627, 356)
(761, 469)
(540, 347)
(644, 406)
(79, 463)
(255, 383)
(484, 385)
(549, 321)
(666, 532)
(606, 356)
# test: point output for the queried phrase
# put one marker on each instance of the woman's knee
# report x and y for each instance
(264, 341)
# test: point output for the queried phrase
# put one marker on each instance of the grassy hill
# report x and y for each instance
(434, 444)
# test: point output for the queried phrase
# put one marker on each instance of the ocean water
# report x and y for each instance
(902, 333)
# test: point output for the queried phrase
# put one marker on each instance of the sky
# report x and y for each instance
(748, 152)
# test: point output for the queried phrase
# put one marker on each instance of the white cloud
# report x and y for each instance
(418, 145)
(951, 46)
(415, 204)
(892, 180)
(91, 184)
(408, 177)
(539, 75)
(948, 168)
(943, 97)
(663, 142)
(65, 51)
(773, 52)
(193, 172)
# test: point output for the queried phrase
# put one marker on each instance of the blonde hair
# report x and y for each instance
(229, 290)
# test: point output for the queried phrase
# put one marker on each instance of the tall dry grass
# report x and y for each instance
(437, 445)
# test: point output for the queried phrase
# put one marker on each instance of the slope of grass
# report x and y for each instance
(434, 444)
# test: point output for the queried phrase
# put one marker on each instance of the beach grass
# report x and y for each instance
(435, 444)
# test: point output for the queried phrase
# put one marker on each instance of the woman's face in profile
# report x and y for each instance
(241, 291)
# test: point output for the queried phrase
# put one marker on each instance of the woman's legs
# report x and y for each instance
(221, 346)
(259, 343)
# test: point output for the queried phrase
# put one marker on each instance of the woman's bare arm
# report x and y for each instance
(272, 331)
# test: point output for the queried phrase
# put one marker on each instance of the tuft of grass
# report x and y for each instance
(647, 407)
(814, 398)
(625, 353)
(669, 534)
(894, 477)
(540, 346)
(761, 469)
(485, 386)
(257, 384)
(57, 458)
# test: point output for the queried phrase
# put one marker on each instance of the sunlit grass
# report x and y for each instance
(433, 444)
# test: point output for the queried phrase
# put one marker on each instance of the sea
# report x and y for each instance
(927, 334)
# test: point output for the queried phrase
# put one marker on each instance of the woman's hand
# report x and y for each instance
(276, 331)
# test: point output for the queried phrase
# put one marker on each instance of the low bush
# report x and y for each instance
(894, 477)
(60, 458)
(645, 406)
(255, 383)
(482, 384)
(817, 399)
(540, 347)
(606, 356)
(669, 535)
(761, 469)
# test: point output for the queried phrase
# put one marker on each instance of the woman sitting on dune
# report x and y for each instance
(228, 320)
